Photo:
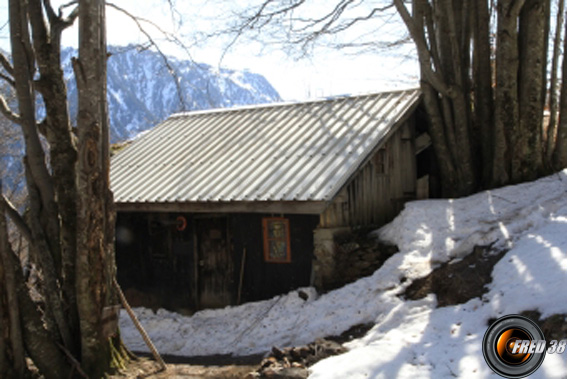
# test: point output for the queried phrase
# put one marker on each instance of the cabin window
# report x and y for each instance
(276, 240)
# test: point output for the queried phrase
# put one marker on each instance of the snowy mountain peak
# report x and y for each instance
(143, 90)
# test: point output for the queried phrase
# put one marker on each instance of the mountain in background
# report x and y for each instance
(142, 90)
(141, 93)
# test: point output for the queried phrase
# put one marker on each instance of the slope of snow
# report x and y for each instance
(410, 338)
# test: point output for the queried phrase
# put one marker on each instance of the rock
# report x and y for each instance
(277, 352)
(252, 375)
(270, 361)
(295, 353)
(291, 362)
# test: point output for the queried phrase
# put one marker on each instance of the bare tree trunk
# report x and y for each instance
(560, 151)
(527, 157)
(482, 87)
(441, 32)
(71, 237)
(46, 352)
(506, 113)
(553, 85)
(95, 258)
(62, 148)
(44, 217)
(25, 326)
(12, 356)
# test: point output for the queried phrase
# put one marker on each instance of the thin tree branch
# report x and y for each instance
(170, 68)
(332, 16)
(169, 36)
(8, 80)
(6, 64)
(59, 24)
(11, 211)
(352, 22)
(51, 16)
(66, 5)
(7, 112)
(70, 19)
(257, 21)
(76, 364)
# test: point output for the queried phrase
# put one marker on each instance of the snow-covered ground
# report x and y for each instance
(410, 338)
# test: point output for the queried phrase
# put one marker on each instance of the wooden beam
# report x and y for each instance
(422, 142)
(287, 207)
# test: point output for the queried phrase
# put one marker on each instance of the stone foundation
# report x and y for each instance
(343, 256)
(325, 257)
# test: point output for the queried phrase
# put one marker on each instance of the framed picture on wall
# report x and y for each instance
(276, 240)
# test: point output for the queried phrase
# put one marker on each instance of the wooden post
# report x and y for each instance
(139, 326)
(242, 264)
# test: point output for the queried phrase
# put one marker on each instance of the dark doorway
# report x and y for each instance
(215, 265)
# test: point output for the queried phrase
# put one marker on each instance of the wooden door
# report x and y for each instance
(215, 266)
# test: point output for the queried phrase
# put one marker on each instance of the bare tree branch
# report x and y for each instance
(6, 64)
(52, 17)
(7, 112)
(169, 36)
(171, 70)
(433, 77)
(38, 23)
(8, 208)
(66, 5)
(356, 20)
(70, 19)
(373, 45)
(8, 79)
(301, 30)
(255, 22)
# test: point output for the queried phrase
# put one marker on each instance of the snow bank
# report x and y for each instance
(415, 339)
(410, 338)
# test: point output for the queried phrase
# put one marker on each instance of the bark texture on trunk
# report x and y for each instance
(95, 259)
(441, 30)
(527, 152)
(482, 89)
(12, 355)
(484, 94)
(554, 86)
(560, 152)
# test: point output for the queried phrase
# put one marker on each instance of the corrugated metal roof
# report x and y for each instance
(283, 152)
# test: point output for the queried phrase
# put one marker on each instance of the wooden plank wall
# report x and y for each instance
(381, 187)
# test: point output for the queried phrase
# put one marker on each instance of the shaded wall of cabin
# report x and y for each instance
(200, 266)
(398, 171)
(401, 169)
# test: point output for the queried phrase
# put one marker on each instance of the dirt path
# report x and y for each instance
(218, 367)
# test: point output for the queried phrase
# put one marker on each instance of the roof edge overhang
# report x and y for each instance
(285, 207)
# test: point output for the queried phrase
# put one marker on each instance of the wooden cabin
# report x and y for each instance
(225, 206)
